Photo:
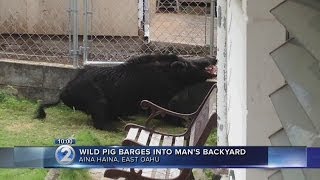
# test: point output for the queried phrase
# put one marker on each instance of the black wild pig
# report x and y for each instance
(108, 92)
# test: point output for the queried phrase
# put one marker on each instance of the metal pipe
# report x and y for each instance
(70, 27)
(140, 13)
(113, 63)
(75, 34)
(146, 21)
(212, 13)
(85, 32)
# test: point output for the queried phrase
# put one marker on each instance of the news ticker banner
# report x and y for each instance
(66, 156)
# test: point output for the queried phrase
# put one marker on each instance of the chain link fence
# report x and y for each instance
(77, 31)
(36, 31)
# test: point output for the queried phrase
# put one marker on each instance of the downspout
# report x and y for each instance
(222, 73)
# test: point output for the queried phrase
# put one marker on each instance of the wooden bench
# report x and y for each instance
(202, 121)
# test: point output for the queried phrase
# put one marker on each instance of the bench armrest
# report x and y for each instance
(158, 110)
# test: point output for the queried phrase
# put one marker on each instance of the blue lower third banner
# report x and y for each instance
(66, 156)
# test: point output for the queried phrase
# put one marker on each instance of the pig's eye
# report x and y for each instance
(179, 66)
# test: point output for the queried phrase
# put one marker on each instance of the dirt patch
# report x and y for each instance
(19, 127)
(45, 48)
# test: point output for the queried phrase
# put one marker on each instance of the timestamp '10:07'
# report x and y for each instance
(64, 141)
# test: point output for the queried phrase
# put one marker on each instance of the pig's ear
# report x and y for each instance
(179, 66)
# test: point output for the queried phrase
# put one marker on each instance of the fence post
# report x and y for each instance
(75, 40)
(146, 15)
(70, 26)
(85, 32)
(212, 13)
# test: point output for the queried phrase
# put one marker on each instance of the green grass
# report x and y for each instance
(79, 174)
(17, 174)
(18, 128)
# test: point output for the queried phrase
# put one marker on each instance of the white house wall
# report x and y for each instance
(252, 76)
(236, 78)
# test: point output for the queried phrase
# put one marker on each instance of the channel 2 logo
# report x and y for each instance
(65, 154)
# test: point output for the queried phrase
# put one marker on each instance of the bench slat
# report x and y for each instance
(155, 139)
(160, 173)
(167, 141)
(200, 123)
(173, 173)
(179, 141)
(147, 172)
(212, 103)
(192, 134)
(132, 134)
(143, 137)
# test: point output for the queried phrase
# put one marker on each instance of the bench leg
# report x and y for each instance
(191, 177)
(118, 173)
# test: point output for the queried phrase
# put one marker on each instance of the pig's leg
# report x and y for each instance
(101, 115)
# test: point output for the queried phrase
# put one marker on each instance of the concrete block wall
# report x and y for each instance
(35, 80)
(44, 81)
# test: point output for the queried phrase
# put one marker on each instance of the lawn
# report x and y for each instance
(20, 129)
